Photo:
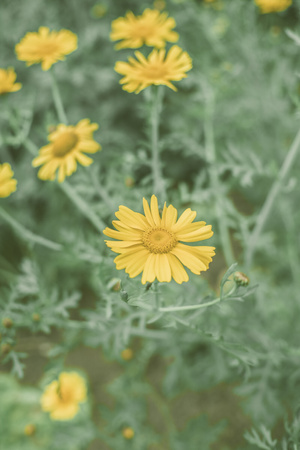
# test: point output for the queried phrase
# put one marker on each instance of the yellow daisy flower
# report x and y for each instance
(151, 244)
(61, 398)
(269, 6)
(152, 28)
(46, 47)
(158, 69)
(8, 184)
(67, 144)
(7, 81)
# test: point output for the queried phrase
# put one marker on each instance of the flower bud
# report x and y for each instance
(128, 433)
(114, 284)
(124, 295)
(159, 4)
(127, 354)
(99, 10)
(30, 429)
(7, 322)
(5, 349)
(36, 317)
(241, 279)
(129, 182)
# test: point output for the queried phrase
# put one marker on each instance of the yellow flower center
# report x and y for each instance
(143, 31)
(64, 143)
(48, 48)
(159, 240)
(155, 72)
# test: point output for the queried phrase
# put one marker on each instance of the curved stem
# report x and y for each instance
(82, 206)
(158, 182)
(57, 100)
(28, 234)
(188, 307)
(268, 204)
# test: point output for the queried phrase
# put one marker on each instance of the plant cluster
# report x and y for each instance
(132, 332)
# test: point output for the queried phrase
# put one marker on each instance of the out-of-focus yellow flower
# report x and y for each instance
(158, 69)
(66, 147)
(152, 28)
(99, 10)
(46, 47)
(8, 184)
(61, 398)
(128, 433)
(153, 245)
(269, 6)
(7, 81)
(127, 354)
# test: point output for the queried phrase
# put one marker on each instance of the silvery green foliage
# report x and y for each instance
(232, 366)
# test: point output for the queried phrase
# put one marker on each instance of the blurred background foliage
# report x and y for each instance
(196, 380)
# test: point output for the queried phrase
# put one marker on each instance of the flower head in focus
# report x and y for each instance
(66, 147)
(158, 69)
(152, 28)
(61, 398)
(8, 184)
(46, 47)
(153, 245)
(269, 6)
(7, 81)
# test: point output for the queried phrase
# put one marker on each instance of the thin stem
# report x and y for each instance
(101, 191)
(158, 182)
(28, 234)
(31, 147)
(188, 307)
(82, 206)
(156, 294)
(71, 193)
(268, 204)
(211, 158)
(57, 100)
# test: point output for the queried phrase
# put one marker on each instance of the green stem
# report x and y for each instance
(31, 147)
(211, 159)
(188, 307)
(268, 204)
(101, 191)
(57, 100)
(82, 206)
(71, 193)
(156, 294)
(158, 182)
(28, 235)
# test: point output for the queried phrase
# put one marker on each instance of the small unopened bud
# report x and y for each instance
(128, 433)
(30, 429)
(114, 284)
(129, 182)
(127, 354)
(241, 279)
(7, 322)
(159, 4)
(36, 317)
(124, 295)
(5, 349)
(99, 10)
